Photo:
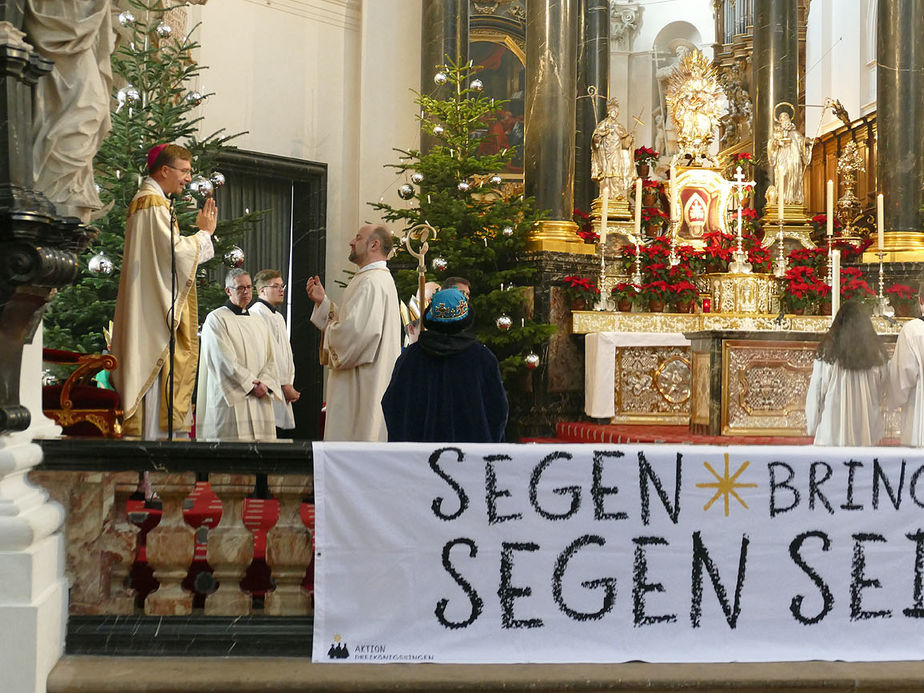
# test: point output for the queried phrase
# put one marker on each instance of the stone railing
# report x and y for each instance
(185, 548)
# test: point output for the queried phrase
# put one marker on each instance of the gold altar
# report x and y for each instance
(723, 373)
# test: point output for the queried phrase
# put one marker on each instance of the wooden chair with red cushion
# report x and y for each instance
(79, 406)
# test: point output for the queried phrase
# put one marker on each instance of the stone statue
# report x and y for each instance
(71, 105)
(696, 101)
(611, 159)
(788, 153)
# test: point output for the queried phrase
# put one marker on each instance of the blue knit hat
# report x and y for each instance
(447, 306)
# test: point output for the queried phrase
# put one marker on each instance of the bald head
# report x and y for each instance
(371, 243)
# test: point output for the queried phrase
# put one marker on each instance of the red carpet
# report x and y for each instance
(579, 432)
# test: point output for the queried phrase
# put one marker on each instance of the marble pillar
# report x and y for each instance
(551, 56)
(776, 75)
(900, 119)
(593, 71)
(443, 33)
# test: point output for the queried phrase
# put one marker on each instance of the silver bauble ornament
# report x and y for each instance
(201, 186)
(417, 178)
(532, 360)
(405, 192)
(496, 179)
(194, 98)
(217, 179)
(100, 265)
(163, 30)
(504, 322)
(463, 186)
(438, 130)
(439, 264)
(440, 78)
(98, 188)
(126, 18)
(234, 258)
(132, 95)
(507, 231)
(476, 84)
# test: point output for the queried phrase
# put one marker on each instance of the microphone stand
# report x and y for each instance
(172, 313)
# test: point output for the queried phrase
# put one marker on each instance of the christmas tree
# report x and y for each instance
(152, 104)
(456, 187)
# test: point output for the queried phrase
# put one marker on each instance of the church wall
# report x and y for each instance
(840, 61)
(319, 80)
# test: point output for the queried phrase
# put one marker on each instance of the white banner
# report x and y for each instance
(584, 553)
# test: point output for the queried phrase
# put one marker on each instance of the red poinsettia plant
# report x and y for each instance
(585, 226)
(645, 155)
(850, 252)
(580, 288)
(625, 291)
(741, 158)
(802, 289)
(652, 185)
(902, 297)
(684, 292)
(717, 252)
(816, 258)
(820, 223)
(853, 286)
(652, 216)
(657, 290)
(750, 220)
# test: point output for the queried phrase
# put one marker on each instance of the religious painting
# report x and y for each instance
(504, 79)
(703, 201)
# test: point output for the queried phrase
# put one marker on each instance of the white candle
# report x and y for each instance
(673, 195)
(836, 278)
(638, 207)
(830, 210)
(604, 215)
(879, 216)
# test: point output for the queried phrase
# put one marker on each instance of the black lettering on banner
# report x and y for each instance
(815, 486)
(879, 476)
(646, 473)
(858, 579)
(536, 477)
(795, 606)
(774, 485)
(491, 493)
(476, 602)
(608, 583)
(599, 492)
(507, 592)
(851, 477)
(437, 505)
(913, 487)
(641, 586)
(917, 611)
(702, 560)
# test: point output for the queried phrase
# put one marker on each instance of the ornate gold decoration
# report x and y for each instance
(742, 293)
(587, 321)
(849, 164)
(707, 188)
(695, 98)
(700, 405)
(652, 384)
(558, 236)
(764, 385)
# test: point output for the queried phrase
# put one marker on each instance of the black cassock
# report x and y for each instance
(446, 388)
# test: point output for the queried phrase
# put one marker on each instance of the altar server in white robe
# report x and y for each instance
(237, 370)
(271, 294)
(362, 340)
(843, 405)
(905, 372)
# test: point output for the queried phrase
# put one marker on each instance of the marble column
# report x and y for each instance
(775, 77)
(900, 121)
(37, 256)
(551, 56)
(443, 32)
(593, 71)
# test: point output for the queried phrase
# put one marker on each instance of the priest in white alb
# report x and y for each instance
(906, 369)
(362, 340)
(238, 382)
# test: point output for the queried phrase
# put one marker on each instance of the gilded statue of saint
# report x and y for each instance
(611, 160)
(788, 153)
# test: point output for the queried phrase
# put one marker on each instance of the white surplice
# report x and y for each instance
(285, 363)
(844, 407)
(362, 341)
(235, 351)
(905, 371)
